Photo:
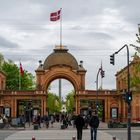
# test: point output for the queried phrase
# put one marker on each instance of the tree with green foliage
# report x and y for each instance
(53, 103)
(70, 102)
(12, 77)
(135, 79)
(12, 72)
(1, 60)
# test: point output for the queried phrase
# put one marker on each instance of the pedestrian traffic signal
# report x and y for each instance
(112, 59)
(102, 73)
(97, 106)
(127, 97)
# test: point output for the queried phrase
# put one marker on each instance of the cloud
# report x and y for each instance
(99, 35)
(91, 30)
(5, 43)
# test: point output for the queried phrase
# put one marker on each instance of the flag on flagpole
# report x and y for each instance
(55, 15)
(21, 70)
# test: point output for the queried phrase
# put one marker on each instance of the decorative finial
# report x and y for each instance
(81, 63)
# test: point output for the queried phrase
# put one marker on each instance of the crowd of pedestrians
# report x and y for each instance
(4, 121)
(49, 120)
(79, 122)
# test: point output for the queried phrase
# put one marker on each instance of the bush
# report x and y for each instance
(121, 124)
(117, 125)
(135, 124)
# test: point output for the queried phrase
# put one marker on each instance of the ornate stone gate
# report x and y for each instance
(61, 64)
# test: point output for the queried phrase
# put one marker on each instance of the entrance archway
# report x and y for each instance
(61, 64)
(61, 87)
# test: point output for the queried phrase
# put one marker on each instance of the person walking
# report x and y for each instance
(79, 123)
(22, 120)
(46, 120)
(94, 123)
(38, 119)
(52, 120)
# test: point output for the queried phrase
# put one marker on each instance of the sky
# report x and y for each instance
(92, 30)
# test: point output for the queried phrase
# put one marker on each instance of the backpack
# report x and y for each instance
(94, 122)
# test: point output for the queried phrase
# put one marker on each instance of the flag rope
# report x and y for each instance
(19, 77)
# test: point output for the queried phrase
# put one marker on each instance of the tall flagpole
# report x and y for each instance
(19, 77)
(60, 86)
(60, 89)
(61, 28)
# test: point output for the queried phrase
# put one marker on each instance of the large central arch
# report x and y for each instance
(61, 64)
(65, 73)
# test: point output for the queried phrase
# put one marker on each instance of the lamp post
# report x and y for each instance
(128, 92)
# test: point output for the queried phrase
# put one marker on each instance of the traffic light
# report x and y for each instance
(124, 96)
(112, 60)
(102, 73)
(97, 106)
(127, 97)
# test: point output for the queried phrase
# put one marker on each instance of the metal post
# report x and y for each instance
(114, 138)
(128, 92)
(97, 90)
(73, 138)
(33, 138)
(29, 110)
(60, 88)
(129, 103)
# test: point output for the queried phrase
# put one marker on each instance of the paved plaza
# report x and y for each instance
(55, 133)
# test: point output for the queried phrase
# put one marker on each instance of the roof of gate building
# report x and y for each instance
(61, 57)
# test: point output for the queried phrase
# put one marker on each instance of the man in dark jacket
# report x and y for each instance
(94, 123)
(79, 123)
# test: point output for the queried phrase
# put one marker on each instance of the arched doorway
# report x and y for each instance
(61, 87)
(61, 64)
(63, 93)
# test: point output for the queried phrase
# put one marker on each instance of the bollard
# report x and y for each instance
(33, 138)
(73, 138)
(114, 138)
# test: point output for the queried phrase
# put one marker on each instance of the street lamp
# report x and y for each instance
(128, 92)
